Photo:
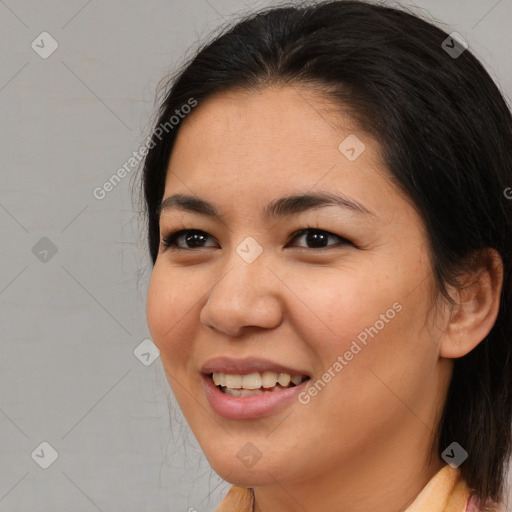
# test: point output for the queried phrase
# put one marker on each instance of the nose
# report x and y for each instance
(246, 296)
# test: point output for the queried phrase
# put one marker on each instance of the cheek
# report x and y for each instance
(372, 322)
(342, 307)
(388, 359)
(170, 317)
(156, 306)
(168, 305)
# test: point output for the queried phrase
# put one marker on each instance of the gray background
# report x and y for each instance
(70, 321)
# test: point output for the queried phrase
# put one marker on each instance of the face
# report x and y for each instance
(344, 304)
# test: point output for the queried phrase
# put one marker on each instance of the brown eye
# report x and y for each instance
(318, 238)
(194, 237)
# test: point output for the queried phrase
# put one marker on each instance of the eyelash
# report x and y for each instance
(169, 241)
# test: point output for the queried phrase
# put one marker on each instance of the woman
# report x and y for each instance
(329, 224)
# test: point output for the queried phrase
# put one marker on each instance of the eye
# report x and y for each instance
(195, 238)
(318, 237)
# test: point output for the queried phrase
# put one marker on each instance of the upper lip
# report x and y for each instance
(247, 366)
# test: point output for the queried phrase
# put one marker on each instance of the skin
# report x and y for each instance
(371, 427)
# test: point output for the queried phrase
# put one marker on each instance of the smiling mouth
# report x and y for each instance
(256, 383)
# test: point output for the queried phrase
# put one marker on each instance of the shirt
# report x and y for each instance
(445, 492)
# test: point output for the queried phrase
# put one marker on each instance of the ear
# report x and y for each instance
(477, 305)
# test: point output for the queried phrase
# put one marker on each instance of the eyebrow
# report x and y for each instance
(278, 208)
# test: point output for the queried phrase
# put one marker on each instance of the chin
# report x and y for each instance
(262, 473)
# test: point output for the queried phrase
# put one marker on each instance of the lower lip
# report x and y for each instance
(248, 407)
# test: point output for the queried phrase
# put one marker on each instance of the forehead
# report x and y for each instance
(251, 147)
(270, 118)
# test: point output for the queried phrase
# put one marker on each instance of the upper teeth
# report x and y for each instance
(255, 380)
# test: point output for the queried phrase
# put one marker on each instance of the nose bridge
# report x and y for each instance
(247, 262)
(245, 273)
(244, 294)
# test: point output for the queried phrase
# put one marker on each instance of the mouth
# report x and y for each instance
(251, 388)
(252, 396)
(256, 383)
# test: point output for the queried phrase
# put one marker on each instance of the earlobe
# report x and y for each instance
(477, 306)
